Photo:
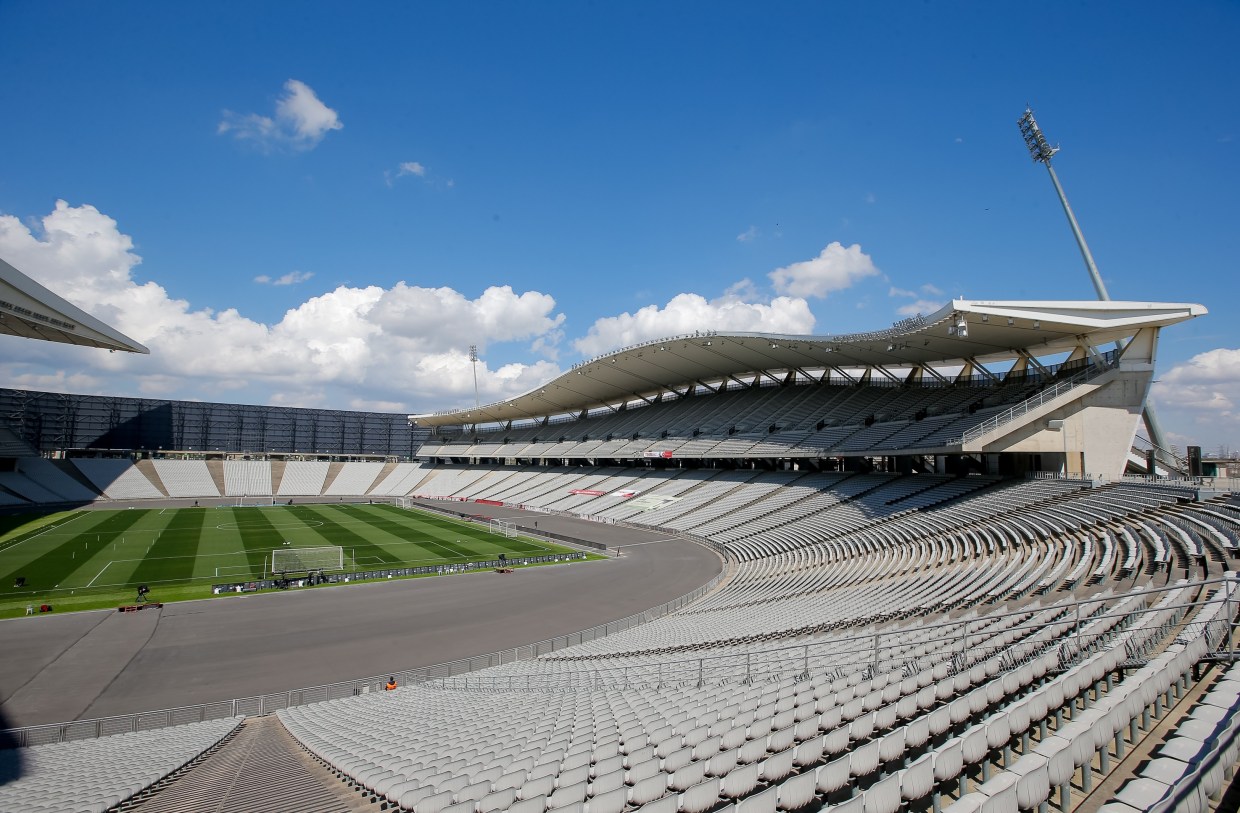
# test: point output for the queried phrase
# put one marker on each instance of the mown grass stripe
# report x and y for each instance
(258, 535)
(56, 561)
(172, 554)
(356, 544)
(463, 527)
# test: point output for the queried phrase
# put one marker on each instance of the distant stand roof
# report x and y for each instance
(982, 331)
(29, 310)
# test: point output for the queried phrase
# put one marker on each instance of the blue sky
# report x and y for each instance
(321, 206)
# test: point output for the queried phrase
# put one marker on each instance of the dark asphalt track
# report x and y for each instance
(96, 664)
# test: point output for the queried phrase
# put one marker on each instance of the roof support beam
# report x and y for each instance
(1033, 362)
(973, 366)
(885, 374)
(827, 372)
(926, 369)
(768, 375)
(1019, 366)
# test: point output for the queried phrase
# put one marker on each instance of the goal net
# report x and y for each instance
(255, 501)
(501, 528)
(296, 560)
(404, 502)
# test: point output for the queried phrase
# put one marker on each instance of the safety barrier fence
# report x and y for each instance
(258, 705)
(881, 652)
(427, 504)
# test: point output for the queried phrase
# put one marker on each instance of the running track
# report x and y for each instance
(96, 664)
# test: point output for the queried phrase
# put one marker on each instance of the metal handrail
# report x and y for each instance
(793, 659)
(1028, 405)
(1167, 457)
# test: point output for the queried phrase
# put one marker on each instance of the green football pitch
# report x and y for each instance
(81, 559)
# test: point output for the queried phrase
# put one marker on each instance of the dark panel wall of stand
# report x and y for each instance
(51, 422)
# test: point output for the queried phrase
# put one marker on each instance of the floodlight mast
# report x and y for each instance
(473, 360)
(1041, 151)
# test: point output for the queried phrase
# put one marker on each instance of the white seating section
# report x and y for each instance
(45, 474)
(117, 479)
(247, 478)
(400, 480)
(354, 477)
(96, 775)
(303, 478)
(1010, 717)
(186, 478)
(26, 489)
(1191, 767)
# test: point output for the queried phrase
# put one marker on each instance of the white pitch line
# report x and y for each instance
(97, 575)
(44, 531)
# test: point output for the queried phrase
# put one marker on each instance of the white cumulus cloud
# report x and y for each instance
(291, 278)
(400, 345)
(834, 269)
(1198, 397)
(300, 122)
(413, 168)
(685, 313)
(923, 305)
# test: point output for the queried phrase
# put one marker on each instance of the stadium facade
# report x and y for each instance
(998, 387)
(58, 424)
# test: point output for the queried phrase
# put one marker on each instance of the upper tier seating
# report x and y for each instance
(804, 419)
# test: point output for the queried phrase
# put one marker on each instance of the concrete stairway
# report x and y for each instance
(260, 768)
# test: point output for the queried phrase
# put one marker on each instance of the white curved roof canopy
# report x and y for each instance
(993, 332)
(29, 310)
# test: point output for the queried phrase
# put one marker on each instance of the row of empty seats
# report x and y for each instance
(92, 776)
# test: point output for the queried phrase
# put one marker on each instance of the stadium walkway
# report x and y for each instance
(260, 768)
(209, 650)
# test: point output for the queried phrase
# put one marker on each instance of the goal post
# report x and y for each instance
(297, 560)
(255, 501)
(501, 528)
